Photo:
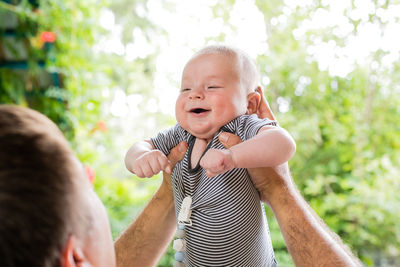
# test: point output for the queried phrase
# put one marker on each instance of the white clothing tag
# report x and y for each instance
(179, 245)
(185, 212)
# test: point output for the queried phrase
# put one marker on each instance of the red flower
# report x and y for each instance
(90, 174)
(48, 37)
(100, 126)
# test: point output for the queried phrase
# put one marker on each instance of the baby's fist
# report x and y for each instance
(151, 163)
(217, 161)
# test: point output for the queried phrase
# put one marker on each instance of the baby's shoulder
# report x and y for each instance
(180, 133)
(249, 125)
(247, 120)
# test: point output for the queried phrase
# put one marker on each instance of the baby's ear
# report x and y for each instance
(253, 102)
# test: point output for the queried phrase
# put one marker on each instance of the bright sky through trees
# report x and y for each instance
(190, 23)
(187, 26)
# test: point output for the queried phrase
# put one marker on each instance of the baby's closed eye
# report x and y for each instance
(214, 87)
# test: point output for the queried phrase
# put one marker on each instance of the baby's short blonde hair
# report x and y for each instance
(249, 75)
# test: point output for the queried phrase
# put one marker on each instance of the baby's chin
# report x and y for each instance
(204, 134)
(205, 131)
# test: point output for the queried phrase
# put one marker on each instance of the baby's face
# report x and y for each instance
(211, 94)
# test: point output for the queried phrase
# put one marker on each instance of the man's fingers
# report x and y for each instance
(168, 169)
(177, 153)
(229, 139)
(264, 110)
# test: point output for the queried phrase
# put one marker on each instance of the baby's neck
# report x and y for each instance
(207, 140)
(198, 149)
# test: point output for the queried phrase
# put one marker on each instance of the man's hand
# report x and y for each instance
(151, 163)
(217, 161)
(264, 110)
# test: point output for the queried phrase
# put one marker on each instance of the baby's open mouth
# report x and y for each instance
(198, 110)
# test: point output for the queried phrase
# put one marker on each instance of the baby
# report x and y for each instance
(226, 224)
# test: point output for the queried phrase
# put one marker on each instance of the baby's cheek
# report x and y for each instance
(179, 114)
(179, 106)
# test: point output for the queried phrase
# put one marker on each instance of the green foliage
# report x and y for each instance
(124, 200)
(168, 258)
(70, 57)
(131, 14)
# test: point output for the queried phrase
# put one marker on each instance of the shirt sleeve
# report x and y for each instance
(251, 124)
(167, 139)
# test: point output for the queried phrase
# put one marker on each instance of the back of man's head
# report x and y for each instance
(36, 189)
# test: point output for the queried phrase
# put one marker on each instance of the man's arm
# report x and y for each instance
(146, 239)
(308, 239)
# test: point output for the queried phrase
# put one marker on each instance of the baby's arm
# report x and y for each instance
(144, 160)
(271, 147)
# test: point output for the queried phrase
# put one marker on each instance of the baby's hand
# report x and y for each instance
(151, 163)
(217, 161)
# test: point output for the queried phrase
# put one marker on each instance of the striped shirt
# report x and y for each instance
(229, 224)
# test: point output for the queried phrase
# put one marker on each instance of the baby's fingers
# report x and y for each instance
(138, 172)
(210, 174)
(214, 170)
(158, 163)
(164, 165)
(147, 169)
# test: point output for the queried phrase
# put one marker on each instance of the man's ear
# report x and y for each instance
(253, 102)
(72, 255)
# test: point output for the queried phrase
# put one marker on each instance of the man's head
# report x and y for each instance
(49, 214)
(218, 84)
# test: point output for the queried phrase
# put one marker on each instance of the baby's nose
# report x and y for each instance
(196, 94)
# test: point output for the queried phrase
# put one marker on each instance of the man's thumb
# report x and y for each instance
(177, 153)
(229, 139)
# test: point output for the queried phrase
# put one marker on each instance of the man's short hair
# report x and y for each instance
(37, 189)
(249, 74)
